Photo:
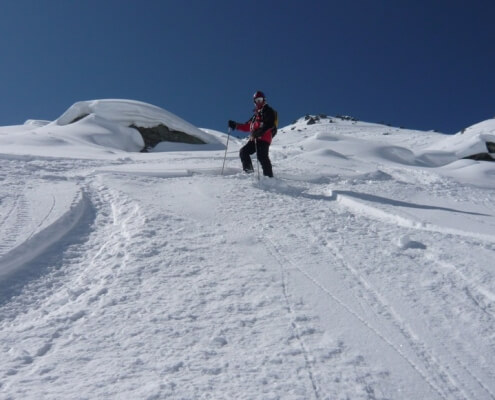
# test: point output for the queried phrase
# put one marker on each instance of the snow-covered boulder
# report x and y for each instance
(154, 124)
(476, 142)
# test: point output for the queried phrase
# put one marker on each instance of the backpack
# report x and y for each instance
(275, 122)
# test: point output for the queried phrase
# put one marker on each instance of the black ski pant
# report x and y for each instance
(262, 154)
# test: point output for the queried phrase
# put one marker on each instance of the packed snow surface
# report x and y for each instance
(363, 270)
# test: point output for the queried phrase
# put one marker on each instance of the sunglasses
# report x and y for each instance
(259, 100)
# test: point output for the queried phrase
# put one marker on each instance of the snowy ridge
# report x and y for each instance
(363, 270)
(348, 200)
(58, 209)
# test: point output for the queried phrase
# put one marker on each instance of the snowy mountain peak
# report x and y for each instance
(311, 119)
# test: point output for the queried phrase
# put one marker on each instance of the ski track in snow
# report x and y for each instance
(197, 291)
(11, 206)
(446, 381)
(106, 264)
(372, 298)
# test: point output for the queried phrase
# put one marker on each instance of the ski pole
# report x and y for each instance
(226, 148)
(257, 160)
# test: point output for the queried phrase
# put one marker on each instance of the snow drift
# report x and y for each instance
(138, 115)
(476, 141)
(106, 126)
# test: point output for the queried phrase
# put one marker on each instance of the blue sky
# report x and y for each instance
(418, 64)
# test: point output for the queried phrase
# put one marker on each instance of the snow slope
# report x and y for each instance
(363, 270)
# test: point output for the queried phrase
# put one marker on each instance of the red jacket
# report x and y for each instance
(261, 124)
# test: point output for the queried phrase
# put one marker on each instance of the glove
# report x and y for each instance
(232, 124)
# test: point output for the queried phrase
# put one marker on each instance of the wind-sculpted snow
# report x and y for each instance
(363, 270)
(128, 112)
(34, 217)
(98, 128)
(470, 141)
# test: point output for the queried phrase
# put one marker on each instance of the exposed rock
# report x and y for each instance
(313, 119)
(160, 133)
(346, 118)
(480, 157)
(80, 117)
(490, 146)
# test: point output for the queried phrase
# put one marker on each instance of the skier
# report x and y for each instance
(261, 127)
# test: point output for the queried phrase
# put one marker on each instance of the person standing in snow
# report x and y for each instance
(262, 128)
